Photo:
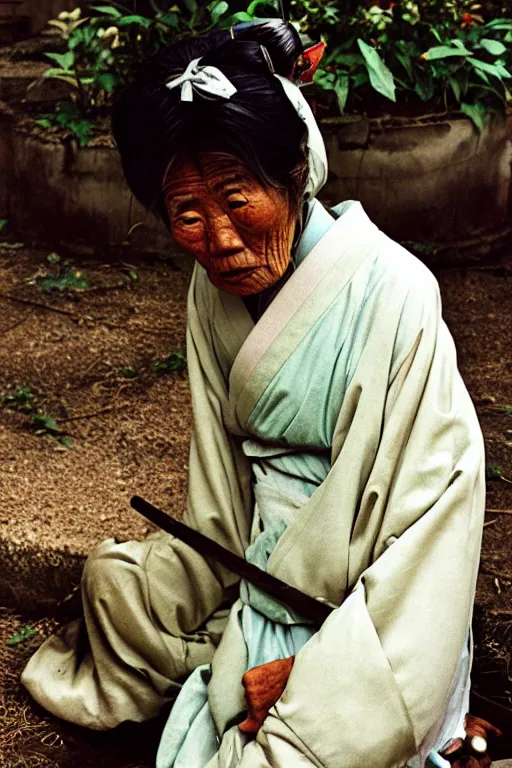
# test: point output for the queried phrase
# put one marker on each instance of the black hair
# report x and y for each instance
(258, 125)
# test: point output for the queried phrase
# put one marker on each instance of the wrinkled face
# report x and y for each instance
(238, 230)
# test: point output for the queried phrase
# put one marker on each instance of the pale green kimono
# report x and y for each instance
(344, 408)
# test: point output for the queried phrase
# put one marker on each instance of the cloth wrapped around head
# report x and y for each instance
(258, 114)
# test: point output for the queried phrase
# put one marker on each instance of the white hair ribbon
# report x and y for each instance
(208, 80)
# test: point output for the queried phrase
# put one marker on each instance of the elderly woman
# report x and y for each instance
(335, 446)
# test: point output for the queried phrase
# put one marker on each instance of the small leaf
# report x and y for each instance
(494, 47)
(499, 24)
(64, 60)
(3, 224)
(142, 21)
(108, 10)
(107, 80)
(46, 422)
(381, 77)
(443, 52)
(341, 90)
(456, 89)
(43, 122)
(477, 113)
(24, 634)
(132, 274)
(128, 373)
(492, 69)
(218, 9)
(66, 441)
(53, 258)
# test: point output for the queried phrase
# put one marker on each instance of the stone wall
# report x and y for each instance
(55, 191)
(423, 180)
(40, 11)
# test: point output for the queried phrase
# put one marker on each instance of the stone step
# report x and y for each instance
(14, 29)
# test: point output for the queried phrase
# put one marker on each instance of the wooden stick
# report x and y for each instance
(500, 511)
(305, 605)
(39, 304)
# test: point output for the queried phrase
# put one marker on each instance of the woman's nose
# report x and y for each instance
(224, 238)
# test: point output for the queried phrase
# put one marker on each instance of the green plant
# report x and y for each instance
(174, 361)
(433, 53)
(23, 400)
(493, 472)
(23, 634)
(62, 278)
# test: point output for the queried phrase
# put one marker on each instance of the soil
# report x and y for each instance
(76, 352)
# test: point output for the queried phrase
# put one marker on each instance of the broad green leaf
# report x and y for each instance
(341, 90)
(405, 62)
(24, 634)
(350, 60)
(66, 441)
(256, 3)
(477, 113)
(424, 87)
(360, 78)
(326, 80)
(443, 52)
(236, 18)
(108, 10)
(60, 74)
(107, 80)
(45, 422)
(494, 47)
(191, 5)
(501, 69)
(170, 20)
(43, 122)
(217, 10)
(491, 69)
(381, 77)
(142, 21)
(458, 43)
(64, 60)
(456, 88)
(499, 24)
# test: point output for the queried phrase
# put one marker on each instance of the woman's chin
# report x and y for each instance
(245, 285)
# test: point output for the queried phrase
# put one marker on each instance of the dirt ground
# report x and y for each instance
(96, 360)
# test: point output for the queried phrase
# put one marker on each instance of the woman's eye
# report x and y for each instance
(189, 220)
(236, 200)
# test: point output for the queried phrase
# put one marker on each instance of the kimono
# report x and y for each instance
(336, 447)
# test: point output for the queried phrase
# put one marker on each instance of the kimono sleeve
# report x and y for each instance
(219, 490)
(371, 687)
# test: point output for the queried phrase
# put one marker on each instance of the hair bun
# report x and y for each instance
(278, 37)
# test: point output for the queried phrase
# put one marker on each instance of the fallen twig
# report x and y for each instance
(16, 324)
(40, 305)
(500, 511)
(490, 522)
(94, 413)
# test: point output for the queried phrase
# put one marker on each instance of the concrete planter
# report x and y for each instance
(57, 191)
(428, 179)
(431, 180)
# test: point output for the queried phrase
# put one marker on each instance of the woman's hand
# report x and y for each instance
(472, 751)
(263, 687)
